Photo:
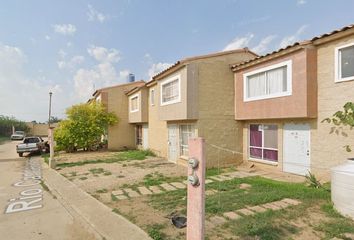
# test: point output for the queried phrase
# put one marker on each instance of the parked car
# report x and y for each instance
(32, 145)
(18, 135)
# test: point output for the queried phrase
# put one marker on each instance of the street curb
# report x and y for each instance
(93, 214)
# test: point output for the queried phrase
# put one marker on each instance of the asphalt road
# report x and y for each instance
(29, 212)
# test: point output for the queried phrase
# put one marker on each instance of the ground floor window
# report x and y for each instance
(139, 134)
(263, 142)
(186, 131)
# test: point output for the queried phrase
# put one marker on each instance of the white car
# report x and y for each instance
(18, 135)
(32, 145)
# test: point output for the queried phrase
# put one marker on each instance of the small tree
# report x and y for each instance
(342, 118)
(85, 125)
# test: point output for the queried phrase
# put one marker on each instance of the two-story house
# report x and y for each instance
(121, 135)
(194, 97)
(281, 99)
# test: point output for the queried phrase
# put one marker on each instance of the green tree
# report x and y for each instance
(6, 124)
(84, 126)
(342, 118)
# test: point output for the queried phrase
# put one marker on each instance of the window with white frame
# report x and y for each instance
(268, 82)
(134, 103)
(170, 91)
(152, 96)
(344, 63)
(263, 142)
(186, 131)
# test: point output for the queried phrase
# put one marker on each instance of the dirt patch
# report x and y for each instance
(112, 176)
(138, 211)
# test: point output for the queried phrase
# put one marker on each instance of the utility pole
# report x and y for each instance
(50, 135)
(50, 108)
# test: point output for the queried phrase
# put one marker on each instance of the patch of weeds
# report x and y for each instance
(312, 181)
(213, 171)
(329, 210)
(166, 201)
(82, 178)
(119, 157)
(3, 139)
(96, 170)
(114, 198)
(155, 231)
(107, 173)
(157, 178)
(124, 165)
(95, 196)
(103, 190)
(120, 176)
(73, 174)
(337, 226)
(263, 226)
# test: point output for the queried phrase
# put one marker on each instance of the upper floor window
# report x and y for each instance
(344, 63)
(170, 91)
(134, 103)
(269, 82)
(152, 97)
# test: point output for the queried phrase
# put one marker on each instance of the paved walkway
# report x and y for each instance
(90, 211)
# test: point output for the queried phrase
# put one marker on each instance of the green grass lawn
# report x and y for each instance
(3, 139)
(118, 157)
(270, 224)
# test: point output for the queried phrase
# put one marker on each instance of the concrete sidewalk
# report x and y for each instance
(92, 213)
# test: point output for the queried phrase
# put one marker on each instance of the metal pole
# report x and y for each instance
(50, 108)
(50, 135)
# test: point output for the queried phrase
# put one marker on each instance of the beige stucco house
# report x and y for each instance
(121, 135)
(194, 97)
(281, 99)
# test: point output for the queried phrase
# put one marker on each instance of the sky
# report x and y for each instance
(72, 48)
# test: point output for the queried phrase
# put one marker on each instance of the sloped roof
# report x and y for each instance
(294, 45)
(182, 62)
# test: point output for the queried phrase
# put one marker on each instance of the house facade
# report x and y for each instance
(282, 98)
(121, 135)
(192, 98)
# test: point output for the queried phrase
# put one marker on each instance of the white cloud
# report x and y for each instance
(65, 29)
(47, 37)
(301, 2)
(69, 44)
(239, 42)
(156, 68)
(62, 53)
(263, 45)
(72, 63)
(293, 38)
(14, 81)
(94, 15)
(103, 54)
(101, 75)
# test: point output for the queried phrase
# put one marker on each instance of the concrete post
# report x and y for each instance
(51, 147)
(196, 192)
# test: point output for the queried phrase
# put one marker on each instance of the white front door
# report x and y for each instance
(172, 142)
(145, 136)
(296, 148)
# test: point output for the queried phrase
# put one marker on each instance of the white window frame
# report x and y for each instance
(278, 65)
(180, 146)
(249, 145)
(130, 103)
(337, 64)
(168, 80)
(152, 96)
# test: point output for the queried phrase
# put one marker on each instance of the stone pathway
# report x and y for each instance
(126, 193)
(249, 211)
